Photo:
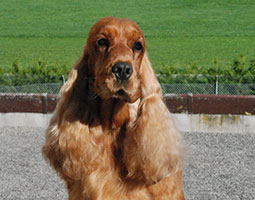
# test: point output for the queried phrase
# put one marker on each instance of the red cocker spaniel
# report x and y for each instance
(111, 136)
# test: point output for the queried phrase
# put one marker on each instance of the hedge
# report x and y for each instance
(239, 72)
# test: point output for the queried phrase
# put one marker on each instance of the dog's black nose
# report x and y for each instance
(122, 70)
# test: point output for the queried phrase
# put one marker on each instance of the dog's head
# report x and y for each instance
(115, 49)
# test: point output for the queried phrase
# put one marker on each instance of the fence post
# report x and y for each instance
(63, 79)
(217, 85)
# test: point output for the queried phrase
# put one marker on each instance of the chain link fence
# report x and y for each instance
(208, 84)
(214, 86)
(223, 89)
(51, 88)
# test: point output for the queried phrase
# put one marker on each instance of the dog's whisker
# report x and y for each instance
(92, 96)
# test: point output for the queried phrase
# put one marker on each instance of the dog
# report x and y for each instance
(111, 135)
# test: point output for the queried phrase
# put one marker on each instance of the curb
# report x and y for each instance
(210, 104)
(176, 103)
(27, 103)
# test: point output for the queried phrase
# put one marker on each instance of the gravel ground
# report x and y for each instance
(217, 166)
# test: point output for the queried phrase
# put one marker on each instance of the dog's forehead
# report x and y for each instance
(114, 30)
(114, 27)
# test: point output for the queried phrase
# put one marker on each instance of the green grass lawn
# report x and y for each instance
(178, 32)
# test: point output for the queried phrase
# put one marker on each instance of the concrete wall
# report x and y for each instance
(184, 122)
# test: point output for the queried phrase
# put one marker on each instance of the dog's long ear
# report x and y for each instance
(152, 149)
(149, 82)
(64, 112)
(78, 74)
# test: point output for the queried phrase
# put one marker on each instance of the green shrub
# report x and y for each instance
(40, 72)
(240, 71)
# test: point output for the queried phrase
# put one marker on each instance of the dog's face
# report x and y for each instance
(116, 48)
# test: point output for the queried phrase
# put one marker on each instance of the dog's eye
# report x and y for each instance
(103, 42)
(138, 46)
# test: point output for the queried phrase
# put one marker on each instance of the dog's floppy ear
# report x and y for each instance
(149, 82)
(77, 80)
(152, 148)
(58, 131)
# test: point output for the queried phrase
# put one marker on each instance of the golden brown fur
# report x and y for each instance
(112, 138)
